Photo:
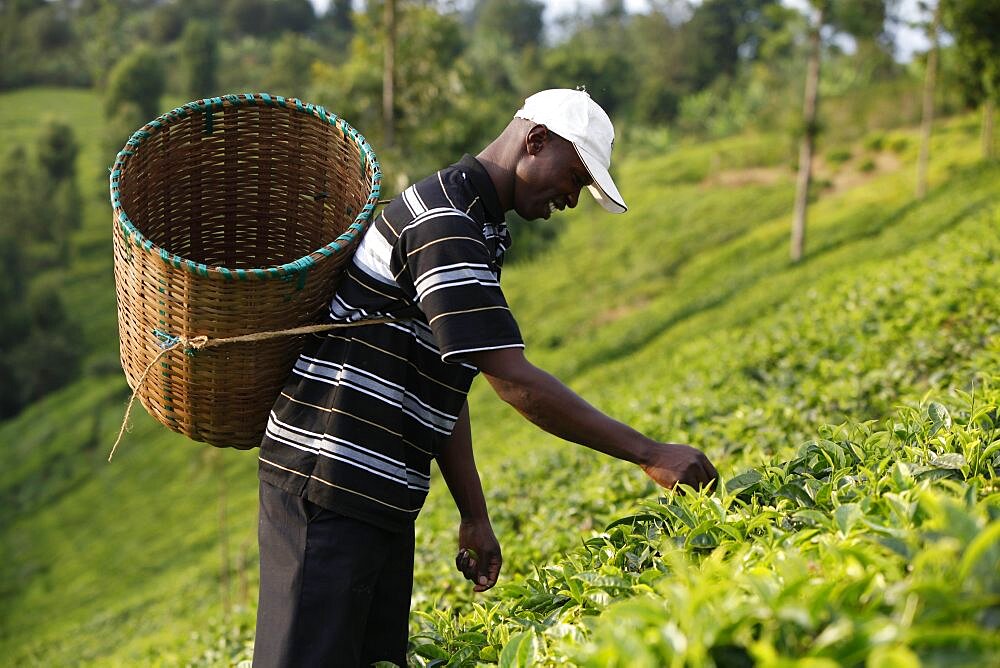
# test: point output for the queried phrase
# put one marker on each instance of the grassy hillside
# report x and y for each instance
(682, 317)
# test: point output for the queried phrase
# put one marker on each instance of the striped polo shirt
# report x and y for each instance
(366, 408)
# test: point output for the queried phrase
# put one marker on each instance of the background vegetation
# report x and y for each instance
(850, 398)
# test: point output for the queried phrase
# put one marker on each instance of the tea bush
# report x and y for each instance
(868, 539)
(847, 401)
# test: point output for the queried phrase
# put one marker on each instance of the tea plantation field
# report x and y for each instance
(851, 403)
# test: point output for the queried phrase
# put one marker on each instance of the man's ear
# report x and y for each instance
(536, 139)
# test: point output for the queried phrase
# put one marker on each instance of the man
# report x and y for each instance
(345, 462)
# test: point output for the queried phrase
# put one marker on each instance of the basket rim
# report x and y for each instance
(369, 163)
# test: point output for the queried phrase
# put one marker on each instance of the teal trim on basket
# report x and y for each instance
(298, 268)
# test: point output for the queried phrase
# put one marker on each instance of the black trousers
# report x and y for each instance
(334, 591)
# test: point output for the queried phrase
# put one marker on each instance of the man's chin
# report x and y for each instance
(532, 216)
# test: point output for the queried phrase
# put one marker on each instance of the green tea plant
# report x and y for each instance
(868, 540)
(877, 539)
(847, 401)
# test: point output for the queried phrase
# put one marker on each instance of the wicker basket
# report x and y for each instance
(232, 215)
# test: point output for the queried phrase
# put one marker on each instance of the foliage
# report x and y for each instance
(41, 206)
(973, 24)
(335, 29)
(137, 79)
(518, 23)
(877, 537)
(37, 41)
(266, 17)
(57, 151)
(442, 108)
(199, 59)
(592, 60)
(721, 66)
(292, 58)
(808, 553)
(682, 318)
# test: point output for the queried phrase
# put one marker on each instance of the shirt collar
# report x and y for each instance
(483, 185)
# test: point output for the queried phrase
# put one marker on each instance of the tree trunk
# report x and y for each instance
(989, 109)
(389, 76)
(809, 105)
(928, 115)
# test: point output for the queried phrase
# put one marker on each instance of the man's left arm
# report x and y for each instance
(479, 556)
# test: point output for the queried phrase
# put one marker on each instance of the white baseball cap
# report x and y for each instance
(575, 117)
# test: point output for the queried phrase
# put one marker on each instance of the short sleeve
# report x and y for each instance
(442, 260)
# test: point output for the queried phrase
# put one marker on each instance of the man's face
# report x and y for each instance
(549, 178)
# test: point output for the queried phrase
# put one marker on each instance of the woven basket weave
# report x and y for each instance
(232, 215)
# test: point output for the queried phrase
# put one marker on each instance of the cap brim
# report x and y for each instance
(603, 188)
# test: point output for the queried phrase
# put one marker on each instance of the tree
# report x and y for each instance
(928, 105)
(597, 56)
(60, 208)
(267, 18)
(605, 72)
(37, 351)
(389, 74)
(658, 95)
(442, 105)
(45, 356)
(292, 58)
(973, 23)
(16, 202)
(139, 79)
(676, 54)
(809, 131)
(340, 15)
(200, 59)
(103, 38)
(720, 34)
(518, 22)
(57, 151)
(860, 18)
(37, 40)
(337, 26)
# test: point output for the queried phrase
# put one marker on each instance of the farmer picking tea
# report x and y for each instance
(345, 461)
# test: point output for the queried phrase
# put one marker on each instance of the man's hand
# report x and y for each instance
(478, 557)
(671, 463)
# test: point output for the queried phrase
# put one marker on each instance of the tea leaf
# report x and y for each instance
(847, 516)
(939, 415)
(519, 652)
(952, 460)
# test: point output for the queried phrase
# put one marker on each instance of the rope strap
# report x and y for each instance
(196, 343)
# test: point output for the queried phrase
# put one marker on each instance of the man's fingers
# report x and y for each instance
(493, 572)
(465, 562)
(483, 574)
(489, 575)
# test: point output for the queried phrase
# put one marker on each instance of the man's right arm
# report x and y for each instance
(545, 401)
